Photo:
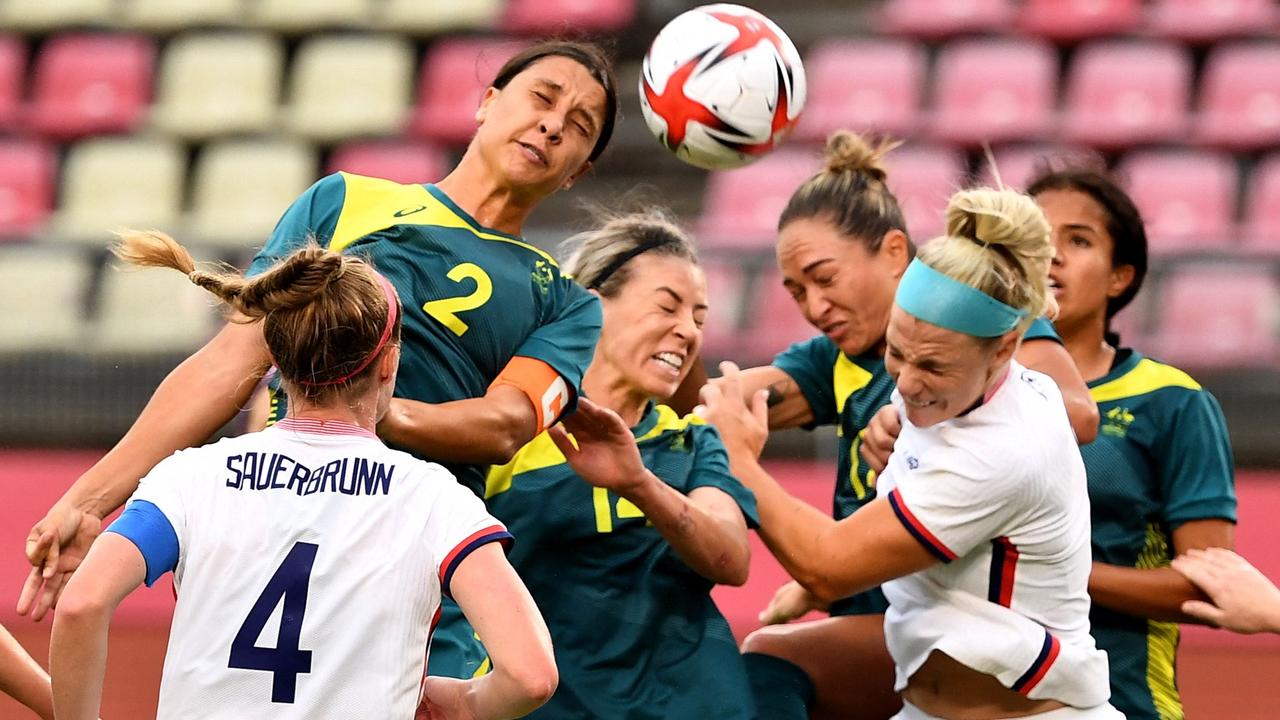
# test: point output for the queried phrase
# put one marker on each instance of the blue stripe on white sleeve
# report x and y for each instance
(147, 527)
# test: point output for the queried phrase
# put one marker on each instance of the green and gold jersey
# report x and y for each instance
(473, 297)
(635, 631)
(1161, 458)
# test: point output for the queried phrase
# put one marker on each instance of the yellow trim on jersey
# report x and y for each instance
(1147, 376)
(373, 204)
(847, 378)
(669, 421)
(1162, 637)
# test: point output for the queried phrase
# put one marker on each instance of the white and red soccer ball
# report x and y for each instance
(721, 86)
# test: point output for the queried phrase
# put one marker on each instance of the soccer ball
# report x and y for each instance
(721, 86)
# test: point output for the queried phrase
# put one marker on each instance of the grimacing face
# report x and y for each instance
(539, 130)
(653, 326)
(841, 288)
(1081, 277)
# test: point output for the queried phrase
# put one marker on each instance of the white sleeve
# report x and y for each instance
(457, 526)
(163, 487)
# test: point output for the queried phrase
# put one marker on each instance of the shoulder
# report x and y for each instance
(1158, 383)
(817, 350)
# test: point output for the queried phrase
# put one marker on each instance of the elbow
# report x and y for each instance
(536, 681)
(77, 608)
(504, 445)
(1084, 420)
(736, 567)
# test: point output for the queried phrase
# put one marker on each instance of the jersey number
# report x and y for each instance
(604, 514)
(284, 661)
(446, 310)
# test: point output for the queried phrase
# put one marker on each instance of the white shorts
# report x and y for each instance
(1098, 712)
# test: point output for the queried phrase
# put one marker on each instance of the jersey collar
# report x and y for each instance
(312, 426)
(1125, 361)
(448, 202)
(648, 419)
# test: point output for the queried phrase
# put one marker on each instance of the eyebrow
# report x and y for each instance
(1081, 226)
(676, 296)
(814, 265)
(558, 88)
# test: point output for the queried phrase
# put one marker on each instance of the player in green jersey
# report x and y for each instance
(842, 247)
(1161, 480)
(454, 252)
(622, 539)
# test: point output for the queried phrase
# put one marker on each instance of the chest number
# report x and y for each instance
(604, 513)
(445, 310)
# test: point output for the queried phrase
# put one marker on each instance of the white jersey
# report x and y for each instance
(998, 495)
(311, 562)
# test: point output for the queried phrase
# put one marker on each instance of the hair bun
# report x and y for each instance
(995, 217)
(850, 152)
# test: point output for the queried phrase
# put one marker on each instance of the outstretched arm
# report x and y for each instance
(22, 678)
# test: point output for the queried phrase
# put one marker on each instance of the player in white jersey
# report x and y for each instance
(309, 559)
(980, 533)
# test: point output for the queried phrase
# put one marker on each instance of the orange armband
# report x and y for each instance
(545, 388)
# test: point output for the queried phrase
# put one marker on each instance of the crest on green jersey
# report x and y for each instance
(542, 276)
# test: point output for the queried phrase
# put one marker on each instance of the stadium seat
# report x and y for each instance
(923, 178)
(1261, 228)
(297, 16)
(88, 84)
(42, 291)
(349, 86)
(541, 17)
(1219, 317)
(1072, 20)
(741, 207)
(726, 286)
(45, 15)
(109, 183)
(994, 91)
(863, 85)
(13, 75)
(401, 161)
(1240, 98)
(27, 171)
(242, 187)
(427, 17)
(1186, 198)
(219, 83)
(1019, 164)
(1145, 103)
(170, 15)
(151, 310)
(455, 73)
(933, 19)
(773, 320)
(1207, 20)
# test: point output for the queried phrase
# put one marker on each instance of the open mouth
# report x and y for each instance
(533, 153)
(671, 360)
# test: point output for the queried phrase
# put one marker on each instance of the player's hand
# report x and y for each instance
(1244, 600)
(791, 601)
(55, 548)
(602, 450)
(744, 428)
(445, 699)
(879, 436)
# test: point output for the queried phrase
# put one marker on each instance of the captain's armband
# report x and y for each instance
(540, 382)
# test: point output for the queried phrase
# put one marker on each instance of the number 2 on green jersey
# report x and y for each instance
(446, 310)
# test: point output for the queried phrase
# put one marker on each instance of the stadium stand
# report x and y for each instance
(1074, 20)
(241, 186)
(60, 280)
(873, 84)
(994, 91)
(162, 16)
(1186, 197)
(219, 83)
(27, 176)
(1261, 226)
(43, 15)
(935, 19)
(114, 182)
(1200, 21)
(350, 86)
(398, 160)
(87, 84)
(299, 16)
(1238, 328)
(453, 77)
(741, 207)
(429, 17)
(1240, 97)
(922, 178)
(13, 73)
(1147, 103)
(161, 311)
(542, 17)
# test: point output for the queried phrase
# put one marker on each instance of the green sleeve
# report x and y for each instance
(313, 215)
(811, 363)
(711, 469)
(1041, 329)
(1193, 456)
(566, 340)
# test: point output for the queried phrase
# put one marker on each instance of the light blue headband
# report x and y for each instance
(936, 298)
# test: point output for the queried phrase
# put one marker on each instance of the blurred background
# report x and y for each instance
(206, 118)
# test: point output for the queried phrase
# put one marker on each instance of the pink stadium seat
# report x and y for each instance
(741, 207)
(994, 91)
(539, 17)
(726, 286)
(1240, 98)
(86, 84)
(27, 171)
(1219, 317)
(1121, 93)
(773, 320)
(1071, 20)
(1019, 164)
(13, 70)
(454, 76)
(1262, 206)
(1186, 198)
(934, 19)
(863, 85)
(923, 178)
(1206, 20)
(401, 161)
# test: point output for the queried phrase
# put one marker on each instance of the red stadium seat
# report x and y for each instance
(932, 19)
(1019, 164)
(27, 171)
(1071, 20)
(540, 17)
(1219, 317)
(726, 286)
(773, 320)
(994, 91)
(1186, 198)
(1121, 93)
(404, 162)
(874, 85)
(923, 178)
(1262, 206)
(13, 72)
(454, 76)
(1206, 20)
(87, 84)
(741, 207)
(1240, 98)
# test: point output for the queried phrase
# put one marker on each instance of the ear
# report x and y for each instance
(1008, 346)
(482, 111)
(388, 364)
(1120, 280)
(894, 247)
(569, 181)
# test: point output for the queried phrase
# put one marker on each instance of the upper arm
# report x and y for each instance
(809, 366)
(1201, 534)
(499, 607)
(870, 547)
(1047, 355)
(566, 340)
(113, 568)
(1193, 456)
(788, 406)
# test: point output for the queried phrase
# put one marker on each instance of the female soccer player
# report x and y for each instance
(496, 340)
(980, 532)
(355, 542)
(623, 536)
(842, 248)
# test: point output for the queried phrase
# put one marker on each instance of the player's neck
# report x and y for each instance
(493, 206)
(608, 388)
(1086, 344)
(359, 413)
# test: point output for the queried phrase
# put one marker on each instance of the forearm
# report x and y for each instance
(1155, 593)
(499, 695)
(714, 547)
(484, 431)
(78, 663)
(22, 678)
